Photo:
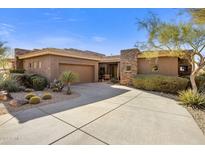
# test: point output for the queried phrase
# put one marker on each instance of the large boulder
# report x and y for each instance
(5, 96)
(17, 102)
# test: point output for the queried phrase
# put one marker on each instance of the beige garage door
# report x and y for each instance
(85, 72)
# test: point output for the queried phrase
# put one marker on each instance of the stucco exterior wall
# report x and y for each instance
(40, 65)
(57, 60)
(50, 65)
(166, 66)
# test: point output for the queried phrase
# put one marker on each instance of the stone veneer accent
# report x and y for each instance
(128, 58)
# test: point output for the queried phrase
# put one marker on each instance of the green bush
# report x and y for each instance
(17, 71)
(38, 83)
(189, 97)
(46, 96)
(23, 79)
(35, 100)
(34, 81)
(29, 95)
(9, 85)
(161, 83)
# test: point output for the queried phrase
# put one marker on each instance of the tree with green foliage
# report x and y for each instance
(179, 37)
(3, 55)
(198, 15)
(67, 78)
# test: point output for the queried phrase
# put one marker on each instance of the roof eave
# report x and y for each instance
(42, 53)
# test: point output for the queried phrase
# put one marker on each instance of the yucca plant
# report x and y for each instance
(67, 78)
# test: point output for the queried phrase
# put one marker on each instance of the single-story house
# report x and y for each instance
(93, 67)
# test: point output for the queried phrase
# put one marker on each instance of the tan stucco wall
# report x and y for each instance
(166, 66)
(57, 60)
(45, 65)
(50, 65)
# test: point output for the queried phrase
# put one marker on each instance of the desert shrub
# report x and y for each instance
(34, 81)
(17, 71)
(38, 83)
(35, 100)
(46, 96)
(22, 79)
(57, 86)
(9, 85)
(189, 97)
(3, 76)
(29, 95)
(161, 83)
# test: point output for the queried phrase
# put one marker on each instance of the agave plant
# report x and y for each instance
(67, 78)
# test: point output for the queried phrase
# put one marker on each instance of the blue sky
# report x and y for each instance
(102, 30)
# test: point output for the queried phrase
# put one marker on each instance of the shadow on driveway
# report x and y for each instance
(89, 93)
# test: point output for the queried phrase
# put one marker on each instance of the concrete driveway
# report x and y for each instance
(103, 114)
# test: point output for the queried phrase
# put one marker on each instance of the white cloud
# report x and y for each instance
(98, 39)
(6, 29)
(57, 17)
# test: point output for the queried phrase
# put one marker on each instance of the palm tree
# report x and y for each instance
(3, 55)
(67, 78)
(3, 48)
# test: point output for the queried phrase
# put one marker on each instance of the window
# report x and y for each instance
(29, 65)
(35, 65)
(128, 68)
(155, 68)
(39, 64)
(183, 68)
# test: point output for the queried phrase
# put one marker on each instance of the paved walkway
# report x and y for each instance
(104, 114)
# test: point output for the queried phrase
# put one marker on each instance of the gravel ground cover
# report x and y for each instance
(56, 98)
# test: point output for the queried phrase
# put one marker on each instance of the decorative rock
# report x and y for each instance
(4, 96)
(22, 88)
(29, 90)
(17, 103)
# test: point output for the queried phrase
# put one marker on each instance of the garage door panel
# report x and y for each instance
(85, 72)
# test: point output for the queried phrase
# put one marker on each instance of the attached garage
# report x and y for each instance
(85, 72)
(52, 62)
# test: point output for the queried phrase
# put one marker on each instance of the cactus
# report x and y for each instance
(46, 96)
(35, 100)
(29, 95)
